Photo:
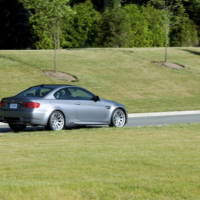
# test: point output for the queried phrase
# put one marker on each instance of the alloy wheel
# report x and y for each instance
(119, 118)
(56, 121)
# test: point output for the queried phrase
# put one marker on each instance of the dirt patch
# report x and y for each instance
(61, 75)
(170, 65)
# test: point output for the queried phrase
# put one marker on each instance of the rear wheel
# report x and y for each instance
(17, 127)
(56, 121)
(118, 118)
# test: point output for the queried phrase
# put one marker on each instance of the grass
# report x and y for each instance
(124, 75)
(151, 163)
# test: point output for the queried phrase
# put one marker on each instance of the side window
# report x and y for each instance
(30, 93)
(80, 94)
(35, 92)
(44, 92)
(63, 94)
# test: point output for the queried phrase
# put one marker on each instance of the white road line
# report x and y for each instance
(159, 114)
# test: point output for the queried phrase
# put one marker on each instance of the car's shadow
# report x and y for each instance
(4, 130)
(29, 129)
(34, 129)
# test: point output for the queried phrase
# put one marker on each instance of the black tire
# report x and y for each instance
(56, 121)
(47, 127)
(119, 118)
(17, 127)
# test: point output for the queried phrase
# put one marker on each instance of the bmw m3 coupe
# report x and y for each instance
(58, 106)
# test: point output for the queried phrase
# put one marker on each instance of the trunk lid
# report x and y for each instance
(16, 103)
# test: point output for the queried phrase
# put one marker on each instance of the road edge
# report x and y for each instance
(155, 114)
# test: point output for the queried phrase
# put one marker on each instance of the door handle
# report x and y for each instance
(78, 103)
(107, 107)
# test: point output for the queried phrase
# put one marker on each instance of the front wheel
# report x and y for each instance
(17, 127)
(118, 118)
(56, 121)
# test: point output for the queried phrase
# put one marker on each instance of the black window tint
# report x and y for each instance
(44, 91)
(80, 94)
(63, 94)
(35, 92)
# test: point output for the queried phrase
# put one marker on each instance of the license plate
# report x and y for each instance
(13, 106)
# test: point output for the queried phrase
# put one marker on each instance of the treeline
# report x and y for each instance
(44, 24)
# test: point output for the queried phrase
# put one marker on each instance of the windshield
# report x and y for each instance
(38, 91)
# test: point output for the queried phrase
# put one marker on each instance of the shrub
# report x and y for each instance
(184, 33)
(146, 27)
(82, 27)
(156, 25)
(114, 28)
(46, 18)
(138, 34)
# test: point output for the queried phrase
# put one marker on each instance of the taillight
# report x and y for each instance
(31, 105)
(2, 104)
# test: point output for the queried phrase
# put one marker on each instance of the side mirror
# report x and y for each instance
(96, 98)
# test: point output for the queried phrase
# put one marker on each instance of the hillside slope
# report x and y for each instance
(124, 75)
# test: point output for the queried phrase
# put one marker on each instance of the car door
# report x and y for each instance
(66, 104)
(89, 110)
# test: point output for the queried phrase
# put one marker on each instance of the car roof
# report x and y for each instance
(53, 85)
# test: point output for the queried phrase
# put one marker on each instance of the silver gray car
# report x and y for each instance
(60, 106)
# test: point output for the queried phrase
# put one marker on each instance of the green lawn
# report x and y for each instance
(124, 75)
(154, 163)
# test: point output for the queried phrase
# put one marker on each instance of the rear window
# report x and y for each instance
(38, 91)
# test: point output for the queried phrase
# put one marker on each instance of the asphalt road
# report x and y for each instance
(148, 119)
(163, 120)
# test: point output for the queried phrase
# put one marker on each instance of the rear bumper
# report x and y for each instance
(22, 117)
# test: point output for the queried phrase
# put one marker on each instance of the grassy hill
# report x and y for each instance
(105, 163)
(124, 75)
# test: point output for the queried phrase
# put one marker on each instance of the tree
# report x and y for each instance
(15, 29)
(138, 2)
(98, 5)
(171, 8)
(138, 32)
(184, 33)
(112, 4)
(74, 2)
(81, 29)
(193, 9)
(146, 28)
(156, 27)
(47, 18)
(114, 28)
